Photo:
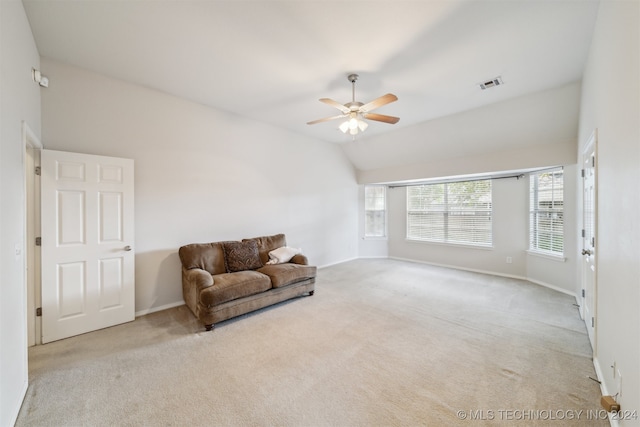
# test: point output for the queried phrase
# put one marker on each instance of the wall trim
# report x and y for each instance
(21, 396)
(155, 309)
(550, 286)
(339, 262)
(603, 389)
(493, 273)
(30, 138)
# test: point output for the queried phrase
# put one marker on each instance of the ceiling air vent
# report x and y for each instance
(491, 83)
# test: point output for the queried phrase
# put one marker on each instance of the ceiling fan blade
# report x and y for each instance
(335, 104)
(381, 118)
(378, 102)
(326, 119)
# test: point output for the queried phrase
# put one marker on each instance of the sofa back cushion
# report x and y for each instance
(268, 243)
(206, 256)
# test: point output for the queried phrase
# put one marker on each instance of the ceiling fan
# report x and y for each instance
(355, 112)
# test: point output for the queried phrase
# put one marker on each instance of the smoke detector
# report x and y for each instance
(491, 83)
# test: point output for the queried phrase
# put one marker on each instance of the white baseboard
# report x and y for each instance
(493, 273)
(603, 389)
(455, 267)
(179, 303)
(162, 307)
(555, 288)
(337, 263)
(22, 393)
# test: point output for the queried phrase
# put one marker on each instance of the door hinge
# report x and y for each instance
(582, 173)
(583, 293)
(593, 242)
(593, 161)
(39, 311)
(38, 170)
(38, 241)
(583, 232)
(593, 322)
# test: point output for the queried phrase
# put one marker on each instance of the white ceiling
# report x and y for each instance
(272, 60)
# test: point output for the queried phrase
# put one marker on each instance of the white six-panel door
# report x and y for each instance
(87, 243)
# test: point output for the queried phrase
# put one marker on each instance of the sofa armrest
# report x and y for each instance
(299, 259)
(194, 281)
(198, 278)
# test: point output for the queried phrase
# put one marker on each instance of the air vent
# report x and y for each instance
(491, 83)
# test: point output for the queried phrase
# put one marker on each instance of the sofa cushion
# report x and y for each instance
(241, 256)
(286, 274)
(230, 286)
(206, 256)
(268, 243)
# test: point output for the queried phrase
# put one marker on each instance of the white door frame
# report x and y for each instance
(590, 294)
(31, 159)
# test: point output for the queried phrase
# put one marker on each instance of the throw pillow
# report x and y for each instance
(240, 256)
(282, 255)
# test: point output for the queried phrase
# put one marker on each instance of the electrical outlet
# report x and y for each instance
(509, 260)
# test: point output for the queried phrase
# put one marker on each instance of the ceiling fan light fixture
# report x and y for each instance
(353, 125)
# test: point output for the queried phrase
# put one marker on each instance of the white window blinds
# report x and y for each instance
(375, 211)
(546, 216)
(452, 212)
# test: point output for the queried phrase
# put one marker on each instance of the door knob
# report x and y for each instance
(128, 248)
(586, 252)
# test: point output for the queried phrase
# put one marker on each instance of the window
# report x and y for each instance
(546, 218)
(375, 211)
(453, 212)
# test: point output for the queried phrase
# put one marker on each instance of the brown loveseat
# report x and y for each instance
(222, 280)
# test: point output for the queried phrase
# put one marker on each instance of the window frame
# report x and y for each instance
(384, 211)
(450, 211)
(534, 234)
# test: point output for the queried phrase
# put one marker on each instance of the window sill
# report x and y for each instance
(552, 257)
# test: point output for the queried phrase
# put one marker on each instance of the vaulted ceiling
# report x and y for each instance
(272, 60)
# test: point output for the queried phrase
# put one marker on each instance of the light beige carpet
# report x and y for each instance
(381, 343)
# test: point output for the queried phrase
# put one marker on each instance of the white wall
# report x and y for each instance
(202, 175)
(531, 131)
(20, 101)
(611, 103)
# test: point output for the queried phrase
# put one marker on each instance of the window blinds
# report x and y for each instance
(375, 211)
(451, 212)
(546, 216)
